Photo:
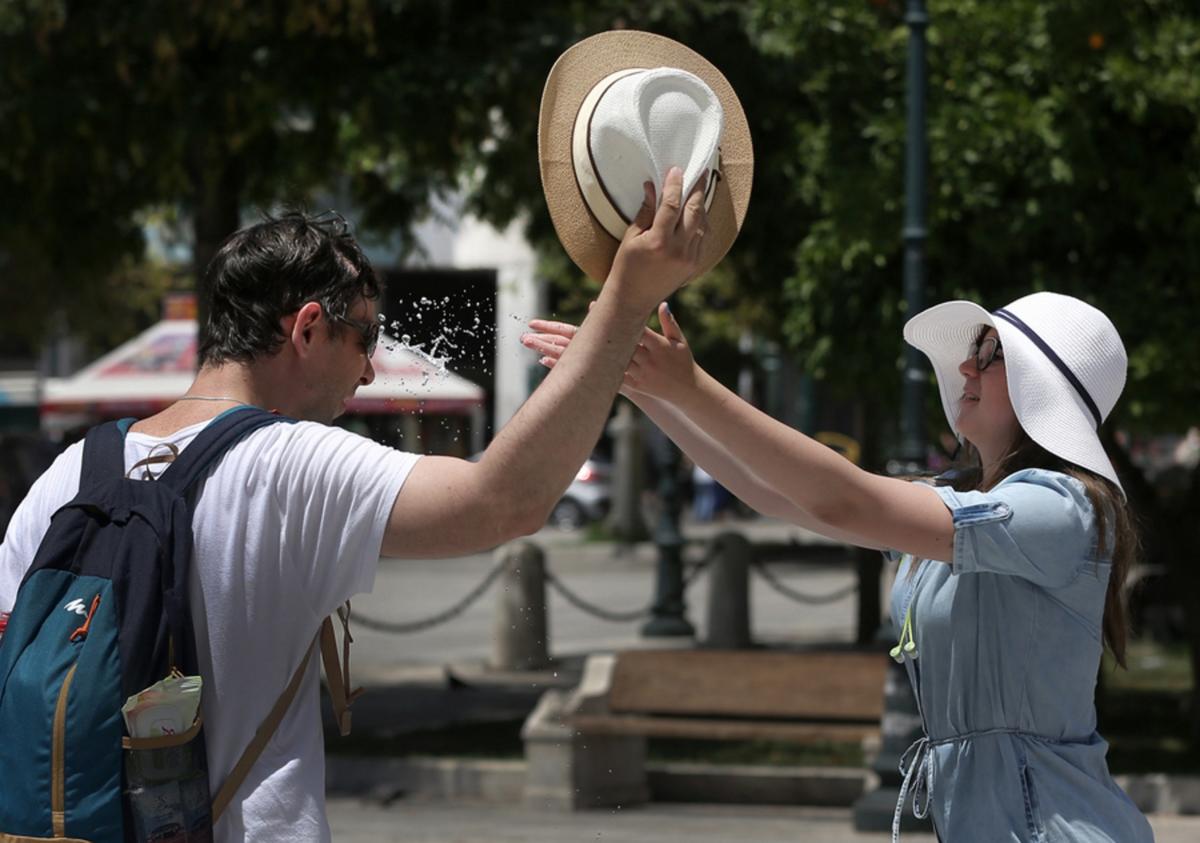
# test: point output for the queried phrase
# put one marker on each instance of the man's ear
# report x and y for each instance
(307, 321)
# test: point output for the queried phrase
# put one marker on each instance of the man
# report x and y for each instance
(293, 519)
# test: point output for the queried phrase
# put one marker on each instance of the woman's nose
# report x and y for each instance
(967, 368)
(368, 375)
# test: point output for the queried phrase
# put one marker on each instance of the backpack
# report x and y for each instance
(102, 614)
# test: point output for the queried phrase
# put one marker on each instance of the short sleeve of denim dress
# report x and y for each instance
(1008, 641)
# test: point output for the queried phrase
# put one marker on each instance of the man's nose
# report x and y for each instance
(368, 375)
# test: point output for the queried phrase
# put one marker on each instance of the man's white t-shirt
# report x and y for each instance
(287, 526)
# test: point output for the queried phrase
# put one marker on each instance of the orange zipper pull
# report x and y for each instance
(83, 630)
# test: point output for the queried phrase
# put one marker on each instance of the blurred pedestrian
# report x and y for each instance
(704, 494)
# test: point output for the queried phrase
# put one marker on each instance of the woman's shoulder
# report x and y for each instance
(1045, 488)
(1056, 480)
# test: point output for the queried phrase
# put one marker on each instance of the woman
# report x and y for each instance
(1008, 586)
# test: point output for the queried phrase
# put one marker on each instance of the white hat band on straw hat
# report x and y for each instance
(1064, 362)
(621, 108)
(632, 127)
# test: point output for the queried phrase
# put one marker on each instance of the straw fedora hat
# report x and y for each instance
(621, 108)
(1064, 363)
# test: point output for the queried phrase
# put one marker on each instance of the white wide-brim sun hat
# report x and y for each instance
(621, 108)
(1064, 363)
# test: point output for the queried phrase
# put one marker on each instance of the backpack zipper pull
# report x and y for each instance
(83, 630)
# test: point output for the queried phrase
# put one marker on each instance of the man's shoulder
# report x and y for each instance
(305, 451)
(291, 433)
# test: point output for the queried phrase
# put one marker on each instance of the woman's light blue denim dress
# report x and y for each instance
(1008, 643)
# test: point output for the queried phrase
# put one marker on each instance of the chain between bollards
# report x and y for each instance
(590, 608)
(409, 627)
(693, 571)
(763, 570)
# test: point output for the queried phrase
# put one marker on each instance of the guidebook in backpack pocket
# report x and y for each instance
(168, 707)
(168, 788)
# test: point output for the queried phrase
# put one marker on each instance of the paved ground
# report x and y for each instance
(441, 676)
(407, 590)
(457, 823)
(415, 822)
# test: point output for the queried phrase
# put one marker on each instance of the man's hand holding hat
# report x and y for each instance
(660, 251)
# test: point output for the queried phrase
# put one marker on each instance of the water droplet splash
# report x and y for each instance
(442, 324)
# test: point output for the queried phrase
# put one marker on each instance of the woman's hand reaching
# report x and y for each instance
(662, 366)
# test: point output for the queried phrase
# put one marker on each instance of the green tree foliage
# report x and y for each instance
(1063, 149)
(217, 106)
(1063, 142)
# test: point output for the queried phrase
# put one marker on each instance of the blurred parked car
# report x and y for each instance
(586, 499)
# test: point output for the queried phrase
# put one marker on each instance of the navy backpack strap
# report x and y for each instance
(103, 453)
(208, 446)
(221, 433)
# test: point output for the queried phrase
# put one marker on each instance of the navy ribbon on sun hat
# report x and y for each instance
(1016, 322)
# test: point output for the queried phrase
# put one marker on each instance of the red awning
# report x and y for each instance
(150, 371)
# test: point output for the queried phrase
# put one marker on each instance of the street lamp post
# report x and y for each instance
(901, 723)
(912, 438)
(668, 614)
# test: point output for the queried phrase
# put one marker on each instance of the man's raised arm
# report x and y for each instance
(449, 506)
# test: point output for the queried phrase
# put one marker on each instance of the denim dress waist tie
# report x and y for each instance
(917, 768)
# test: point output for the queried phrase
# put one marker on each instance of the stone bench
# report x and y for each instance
(587, 748)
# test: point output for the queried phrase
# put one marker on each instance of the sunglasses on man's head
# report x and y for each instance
(331, 222)
(985, 351)
(368, 330)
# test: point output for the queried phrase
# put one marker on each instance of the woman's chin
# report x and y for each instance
(965, 429)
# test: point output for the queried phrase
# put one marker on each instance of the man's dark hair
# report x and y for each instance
(266, 271)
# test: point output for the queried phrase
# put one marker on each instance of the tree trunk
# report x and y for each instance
(217, 182)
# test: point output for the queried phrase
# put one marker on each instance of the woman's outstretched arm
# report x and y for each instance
(551, 338)
(706, 452)
(819, 488)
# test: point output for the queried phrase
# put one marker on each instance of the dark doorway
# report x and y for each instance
(448, 313)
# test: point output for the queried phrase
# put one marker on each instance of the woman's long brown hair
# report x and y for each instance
(1114, 520)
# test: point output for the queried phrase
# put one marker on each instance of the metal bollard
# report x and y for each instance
(519, 630)
(729, 594)
(668, 615)
(901, 726)
(625, 516)
(869, 565)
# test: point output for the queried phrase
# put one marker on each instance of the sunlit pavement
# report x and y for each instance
(426, 822)
(661, 823)
(407, 590)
